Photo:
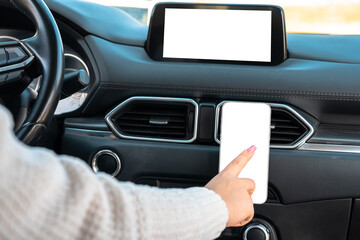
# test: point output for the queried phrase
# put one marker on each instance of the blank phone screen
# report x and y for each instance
(242, 125)
(217, 34)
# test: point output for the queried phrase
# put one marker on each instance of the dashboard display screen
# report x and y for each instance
(217, 34)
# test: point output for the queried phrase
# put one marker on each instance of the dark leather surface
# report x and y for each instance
(336, 48)
(47, 48)
(323, 220)
(327, 90)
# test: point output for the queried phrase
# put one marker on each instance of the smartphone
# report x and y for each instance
(244, 124)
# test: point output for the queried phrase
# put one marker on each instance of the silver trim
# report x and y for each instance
(272, 105)
(80, 60)
(106, 152)
(91, 132)
(330, 148)
(258, 226)
(162, 99)
(304, 147)
(78, 99)
(17, 65)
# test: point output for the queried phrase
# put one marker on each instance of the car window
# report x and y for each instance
(305, 16)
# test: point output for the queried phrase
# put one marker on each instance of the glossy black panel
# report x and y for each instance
(322, 220)
(354, 228)
(337, 134)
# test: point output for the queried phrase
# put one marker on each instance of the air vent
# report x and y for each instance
(288, 128)
(157, 119)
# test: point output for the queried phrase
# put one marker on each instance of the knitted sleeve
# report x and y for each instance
(45, 196)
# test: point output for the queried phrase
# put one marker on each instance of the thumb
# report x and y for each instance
(237, 165)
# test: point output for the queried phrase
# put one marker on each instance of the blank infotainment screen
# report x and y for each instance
(217, 34)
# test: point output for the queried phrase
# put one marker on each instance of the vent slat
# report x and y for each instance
(153, 113)
(281, 120)
(141, 118)
(282, 139)
(155, 133)
(285, 126)
(122, 124)
(288, 129)
(287, 132)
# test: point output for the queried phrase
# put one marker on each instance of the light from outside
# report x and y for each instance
(301, 16)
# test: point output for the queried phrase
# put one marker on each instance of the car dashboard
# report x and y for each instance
(157, 123)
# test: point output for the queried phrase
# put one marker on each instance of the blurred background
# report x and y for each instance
(304, 16)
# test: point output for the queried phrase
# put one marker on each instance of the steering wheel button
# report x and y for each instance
(14, 76)
(2, 79)
(3, 57)
(16, 55)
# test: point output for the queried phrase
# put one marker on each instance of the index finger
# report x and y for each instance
(235, 166)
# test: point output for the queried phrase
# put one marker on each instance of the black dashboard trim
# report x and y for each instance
(233, 92)
(80, 48)
(296, 175)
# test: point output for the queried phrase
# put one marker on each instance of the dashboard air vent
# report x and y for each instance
(157, 119)
(288, 128)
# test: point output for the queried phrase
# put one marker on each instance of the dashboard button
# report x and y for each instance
(106, 161)
(16, 55)
(256, 231)
(256, 234)
(3, 57)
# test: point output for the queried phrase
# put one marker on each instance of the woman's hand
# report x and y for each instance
(236, 192)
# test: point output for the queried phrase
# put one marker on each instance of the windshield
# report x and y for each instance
(305, 16)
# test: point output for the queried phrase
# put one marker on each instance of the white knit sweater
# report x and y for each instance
(45, 196)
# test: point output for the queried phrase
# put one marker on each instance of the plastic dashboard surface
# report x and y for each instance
(314, 188)
(310, 85)
(328, 89)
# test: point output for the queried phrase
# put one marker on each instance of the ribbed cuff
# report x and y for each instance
(194, 213)
(215, 213)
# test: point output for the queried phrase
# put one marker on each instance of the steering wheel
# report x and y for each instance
(42, 53)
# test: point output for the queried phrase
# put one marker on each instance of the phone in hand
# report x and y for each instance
(244, 124)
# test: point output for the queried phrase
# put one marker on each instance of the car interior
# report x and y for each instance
(158, 123)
